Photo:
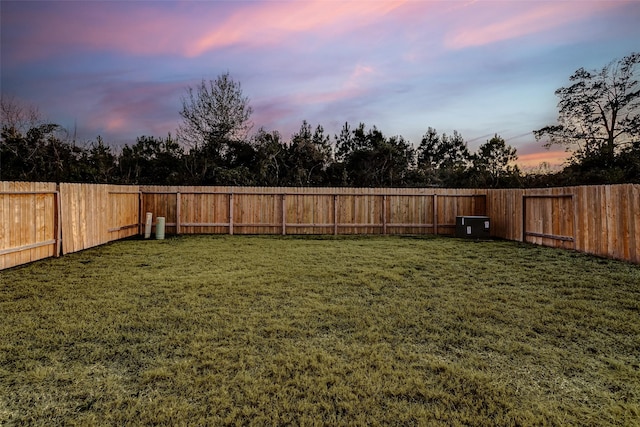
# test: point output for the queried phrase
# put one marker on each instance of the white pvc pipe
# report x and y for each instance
(147, 225)
(160, 228)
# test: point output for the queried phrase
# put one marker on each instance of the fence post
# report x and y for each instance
(178, 212)
(58, 222)
(139, 211)
(284, 214)
(231, 213)
(574, 206)
(384, 214)
(524, 216)
(335, 214)
(435, 214)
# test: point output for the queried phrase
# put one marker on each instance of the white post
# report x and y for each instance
(147, 225)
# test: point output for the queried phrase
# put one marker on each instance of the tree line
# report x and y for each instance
(599, 121)
(358, 157)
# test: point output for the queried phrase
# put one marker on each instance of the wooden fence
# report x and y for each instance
(257, 210)
(40, 220)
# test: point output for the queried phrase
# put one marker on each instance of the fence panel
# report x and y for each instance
(504, 207)
(94, 214)
(409, 214)
(309, 213)
(163, 204)
(29, 228)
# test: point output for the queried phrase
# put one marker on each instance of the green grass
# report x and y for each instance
(219, 330)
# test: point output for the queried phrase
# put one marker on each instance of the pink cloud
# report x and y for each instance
(274, 22)
(136, 28)
(327, 97)
(185, 28)
(490, 22)
(360, 71)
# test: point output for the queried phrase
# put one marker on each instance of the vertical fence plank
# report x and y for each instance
(178, 211)
(283, 212)
(231, 213)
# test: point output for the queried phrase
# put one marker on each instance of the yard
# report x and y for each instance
(219, 330)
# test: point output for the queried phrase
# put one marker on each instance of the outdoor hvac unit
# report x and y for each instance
(473, 227)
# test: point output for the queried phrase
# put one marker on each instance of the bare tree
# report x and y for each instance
(214, 112)
(18, 117)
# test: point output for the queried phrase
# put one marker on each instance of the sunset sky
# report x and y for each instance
(119, 68)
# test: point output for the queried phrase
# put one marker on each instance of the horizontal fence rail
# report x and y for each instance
(41, 220)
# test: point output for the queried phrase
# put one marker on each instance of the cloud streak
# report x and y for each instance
(271, 23)
(511, 20)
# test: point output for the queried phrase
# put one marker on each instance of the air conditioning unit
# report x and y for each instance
(473, 227)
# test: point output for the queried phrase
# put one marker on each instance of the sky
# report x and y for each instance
(118, 69)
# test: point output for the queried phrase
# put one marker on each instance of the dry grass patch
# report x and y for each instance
(219, 330)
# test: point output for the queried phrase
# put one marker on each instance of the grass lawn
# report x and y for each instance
(219, 330)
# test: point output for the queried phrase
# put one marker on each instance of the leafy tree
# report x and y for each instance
(16, 119)
(309, 155)
(151, 161)
(271, 158)
(53, 159)
(373, 160)
(625, 168)
(493, 165)
(238, 164)
(443, 159)
(599, 112)
(629, 160)
(344, 143)
(40, 154)
(100, 164)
